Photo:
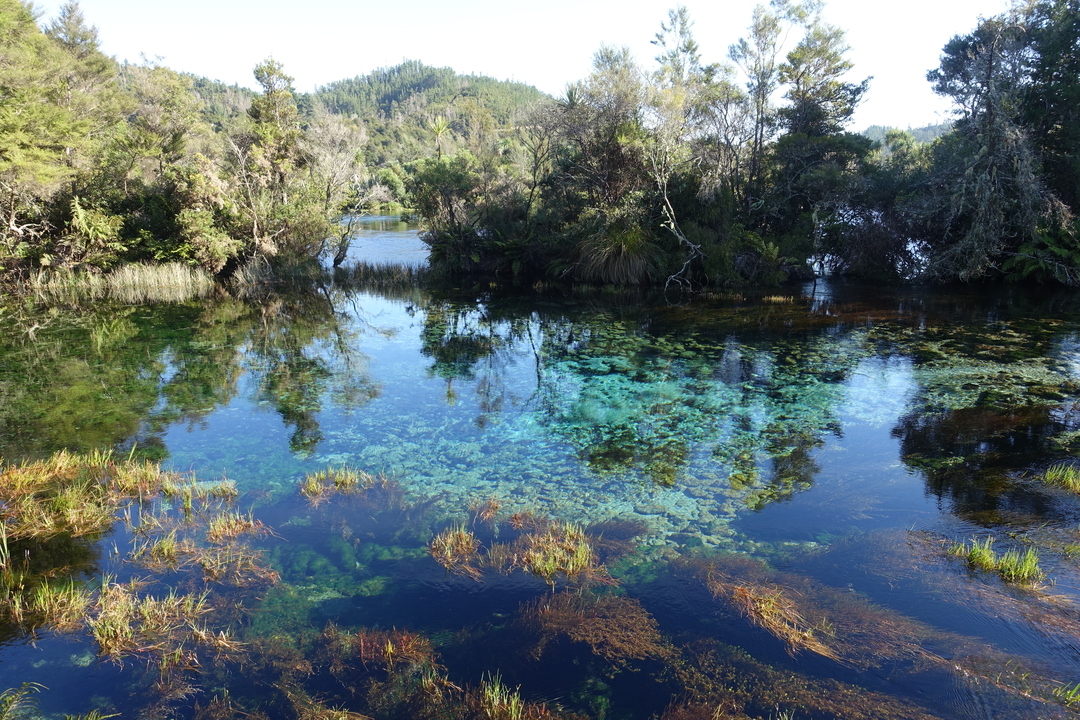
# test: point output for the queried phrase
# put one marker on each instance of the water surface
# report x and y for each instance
(822, 448)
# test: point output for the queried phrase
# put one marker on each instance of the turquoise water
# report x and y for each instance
(810, 455)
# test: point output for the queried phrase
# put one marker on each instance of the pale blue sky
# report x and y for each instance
(546, 44)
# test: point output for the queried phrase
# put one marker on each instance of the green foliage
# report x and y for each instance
(19, 703)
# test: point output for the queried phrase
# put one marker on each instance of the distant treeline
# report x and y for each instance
(926, 134)
(687, 173)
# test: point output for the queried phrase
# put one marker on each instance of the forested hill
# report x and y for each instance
(413, 86)
(922, 134)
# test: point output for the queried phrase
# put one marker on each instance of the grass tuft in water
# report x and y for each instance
(319, 486)
(562, 549)
(980, 555)
(1068, 694)
(1014, 566)
(498, 701)
(231, 524)
(1063, 474)
(457, 550)
(1020, 567)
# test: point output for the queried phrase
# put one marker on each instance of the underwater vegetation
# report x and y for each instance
(629, 513)
(209, 616)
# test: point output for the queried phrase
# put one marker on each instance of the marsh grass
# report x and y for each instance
(498, 701)
(230, 525)
(70, 493)
(1064, 475)
(319, 486)
(133, 284)
(1013, 566)
(457, 550)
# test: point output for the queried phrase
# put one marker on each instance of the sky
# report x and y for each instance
(546, 44)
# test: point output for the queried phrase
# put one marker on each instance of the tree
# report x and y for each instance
(1051, 101)
(757, 57)
(818, 169)
(276, 124)
(998, 199)
(820, 103)
(36, 129)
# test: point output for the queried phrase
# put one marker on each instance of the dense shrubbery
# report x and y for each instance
(682, 175)
(685, 175)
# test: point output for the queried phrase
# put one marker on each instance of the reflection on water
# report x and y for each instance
(386, 239)
(760, 494)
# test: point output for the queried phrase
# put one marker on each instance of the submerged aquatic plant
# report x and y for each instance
(615, 627)
(771, 609)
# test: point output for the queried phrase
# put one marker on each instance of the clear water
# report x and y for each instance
(386, 239)
(823, 448)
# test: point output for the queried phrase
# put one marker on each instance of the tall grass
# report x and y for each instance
(133, 284)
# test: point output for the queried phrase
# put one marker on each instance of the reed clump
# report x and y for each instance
(457, 550)
(1064, 475)
(1014, 566)
(319, 486)
(134, 284)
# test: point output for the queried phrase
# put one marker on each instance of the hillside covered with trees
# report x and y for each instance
(731, 173)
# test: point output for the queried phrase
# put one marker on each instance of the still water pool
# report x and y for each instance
(725, 508)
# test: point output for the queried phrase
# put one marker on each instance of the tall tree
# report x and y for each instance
(997, 198)
(36, 128)
(757, 56)
(820, 102)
